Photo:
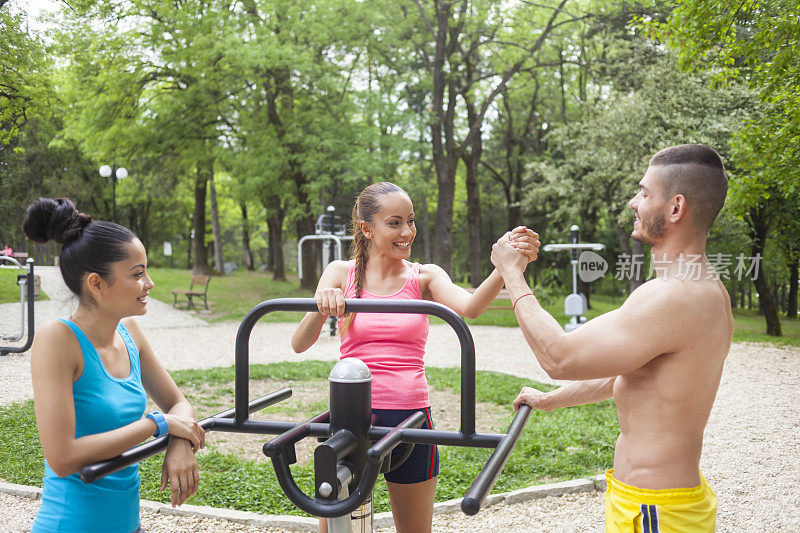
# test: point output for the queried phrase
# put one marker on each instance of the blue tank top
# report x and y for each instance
(102, 403)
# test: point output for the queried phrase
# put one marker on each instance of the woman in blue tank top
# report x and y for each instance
(91, 375)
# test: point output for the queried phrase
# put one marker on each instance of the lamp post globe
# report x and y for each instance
(120, 174)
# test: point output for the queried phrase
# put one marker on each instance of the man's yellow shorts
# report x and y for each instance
(634, 510)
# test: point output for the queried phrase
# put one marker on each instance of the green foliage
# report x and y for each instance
(295, 107)
(606, 154)
(749, 327)
(748, 42)
(25, 92)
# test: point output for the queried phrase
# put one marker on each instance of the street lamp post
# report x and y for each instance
(120, 174)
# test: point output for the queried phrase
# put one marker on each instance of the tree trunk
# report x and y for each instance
(758, 233)
(791, 307)
(474, 222)
(443, 233)
(200, 265)
(218, 261)
(248, 255)
(425, 228)
(275, 216)
(749, 296)
(471, 160)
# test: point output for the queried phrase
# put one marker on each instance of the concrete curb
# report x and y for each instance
(301, 523)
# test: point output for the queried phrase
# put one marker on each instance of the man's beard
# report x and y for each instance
(650, 233)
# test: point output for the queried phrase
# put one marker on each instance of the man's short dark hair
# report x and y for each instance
(696, 172)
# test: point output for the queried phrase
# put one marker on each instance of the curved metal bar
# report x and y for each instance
(11, 260)
(324, 509)
(332, 509)
(488, 475)
(29, 286)
(242, 379)
(95, 471)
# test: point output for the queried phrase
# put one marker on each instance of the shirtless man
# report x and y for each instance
(660, 355)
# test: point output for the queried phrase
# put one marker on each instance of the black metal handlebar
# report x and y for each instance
(387, 438)
(242, 379)
(281, 449)
(487, 477)
(95, 471)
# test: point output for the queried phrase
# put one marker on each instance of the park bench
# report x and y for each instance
(502, 295)
(198, 280)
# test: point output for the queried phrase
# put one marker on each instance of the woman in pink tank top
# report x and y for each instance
(393, 345)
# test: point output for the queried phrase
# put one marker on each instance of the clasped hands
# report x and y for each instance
(514, 250)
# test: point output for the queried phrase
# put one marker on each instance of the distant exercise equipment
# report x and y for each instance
(26, 301)
(329, 227)
(575, 305)
(353, 452)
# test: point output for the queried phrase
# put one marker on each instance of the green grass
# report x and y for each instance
(231, 296)
(749, 326)
(9, 290)
(564, 444)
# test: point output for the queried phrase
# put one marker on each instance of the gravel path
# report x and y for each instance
(751, 455)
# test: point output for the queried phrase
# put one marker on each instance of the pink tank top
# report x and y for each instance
(392, 345)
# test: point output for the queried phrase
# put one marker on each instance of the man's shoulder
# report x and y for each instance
(688, 302)
(657, 291)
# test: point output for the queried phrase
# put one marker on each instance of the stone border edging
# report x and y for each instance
(301, 523)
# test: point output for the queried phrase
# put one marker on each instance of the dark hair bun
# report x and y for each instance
(49, 219)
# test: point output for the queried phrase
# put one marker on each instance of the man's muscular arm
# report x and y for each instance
(576, 393)
(651, 322)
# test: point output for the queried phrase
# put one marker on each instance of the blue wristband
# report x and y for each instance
(161, 422)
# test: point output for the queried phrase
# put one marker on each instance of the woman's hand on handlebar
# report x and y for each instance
(330, 302)
(186, 428)
(180, 471)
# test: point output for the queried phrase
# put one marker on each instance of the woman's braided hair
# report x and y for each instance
(367, 205)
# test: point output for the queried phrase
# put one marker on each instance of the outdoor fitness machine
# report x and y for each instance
(575, 304)
(329, 227)
(26, 296)
(347, 463)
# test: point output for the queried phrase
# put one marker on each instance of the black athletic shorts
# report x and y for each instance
(423, 463)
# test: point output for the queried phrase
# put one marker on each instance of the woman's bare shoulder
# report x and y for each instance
(55, 340)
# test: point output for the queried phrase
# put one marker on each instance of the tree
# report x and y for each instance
(446, 37)
(24, 84)
(751, 41)
(131, 106)
(300, 138)
(601, 159)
